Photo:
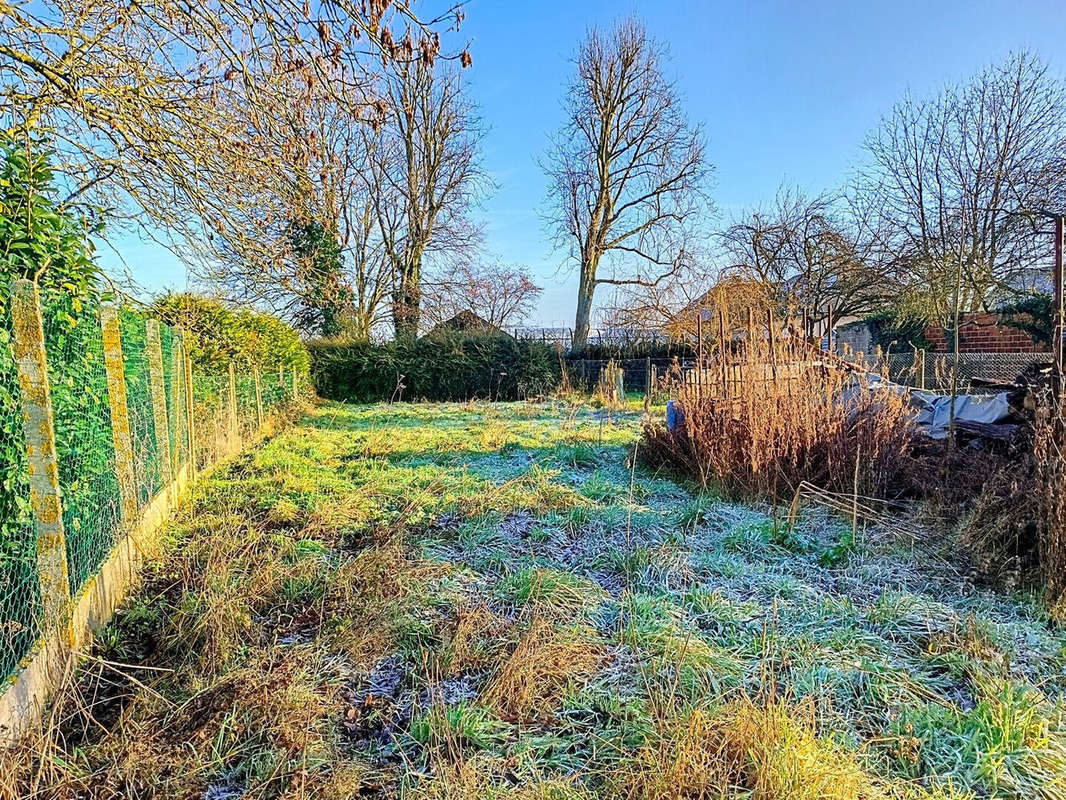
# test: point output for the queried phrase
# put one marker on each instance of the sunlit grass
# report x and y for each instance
(490, 601)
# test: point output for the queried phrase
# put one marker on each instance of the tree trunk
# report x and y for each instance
(406, 303)
(584, 311)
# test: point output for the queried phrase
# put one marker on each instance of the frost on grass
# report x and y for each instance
(489, 601)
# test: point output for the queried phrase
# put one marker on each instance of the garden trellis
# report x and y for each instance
(104, 420)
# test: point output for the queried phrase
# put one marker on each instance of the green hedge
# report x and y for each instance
(221, 334)
(447, 367)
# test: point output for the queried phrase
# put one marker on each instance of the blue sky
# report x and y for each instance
(786, 91)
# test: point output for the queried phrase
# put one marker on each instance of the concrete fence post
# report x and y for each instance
(41, 459)
(294, 384)
(258, 397)
(158, 391)
(177, 408)
(231, 404)
(120, 414)
(186, 364)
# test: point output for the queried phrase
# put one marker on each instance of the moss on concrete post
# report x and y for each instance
(186, 364)
(41, 462)
(120, 413)
(258, 398)
(232, 405)
(158, 390)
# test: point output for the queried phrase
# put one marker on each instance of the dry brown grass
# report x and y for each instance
(1050, 453)
(767, 752)
(531, 683)
(790, 417)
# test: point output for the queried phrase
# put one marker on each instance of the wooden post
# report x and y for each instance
(648, 386)
(293, 384)
(231, 406)
(158, 391)
(1059, 344)
(773, 343)
(258, 398)
(187, 369)
(699, 353)
(42, 465)
(722, 353)
(120, 414)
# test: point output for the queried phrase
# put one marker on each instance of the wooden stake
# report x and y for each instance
(258, 397)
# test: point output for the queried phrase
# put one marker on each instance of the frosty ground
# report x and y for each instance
(493, 600)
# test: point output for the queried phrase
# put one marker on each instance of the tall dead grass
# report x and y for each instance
(1049, 450)
(781, 414)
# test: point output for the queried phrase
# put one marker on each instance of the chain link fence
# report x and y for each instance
(225, 410)
(933, 371)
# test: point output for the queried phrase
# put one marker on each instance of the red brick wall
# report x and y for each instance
(979, 333)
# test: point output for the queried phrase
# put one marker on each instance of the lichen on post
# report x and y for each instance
(120, 414)
(41, 460)
(158, 392)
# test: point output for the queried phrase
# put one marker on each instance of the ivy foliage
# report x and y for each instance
(221, 334)
(453, 366)
(894, 329)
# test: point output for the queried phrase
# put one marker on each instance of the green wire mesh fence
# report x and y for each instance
(20, 595)
(85, 449)
(225, 410)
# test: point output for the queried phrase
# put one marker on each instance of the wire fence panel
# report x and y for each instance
(210, 422)
(226, 410)
(20, 592)
(147, 468)
(274, 392)
(174, 380)
(84, 444)
(247, 407)
(933, 371)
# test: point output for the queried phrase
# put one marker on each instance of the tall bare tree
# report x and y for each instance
(626, 170)
(957, 179)
(429, 173)
(503, 295)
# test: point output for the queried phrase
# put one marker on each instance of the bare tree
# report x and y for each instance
(626, 170)
(428, 176)
(165, 111)
(809, 252)
(504, 295)
(312, 249)
(956, 180)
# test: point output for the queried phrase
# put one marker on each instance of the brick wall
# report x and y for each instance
(980, 333)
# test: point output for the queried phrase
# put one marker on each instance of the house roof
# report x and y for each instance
(464, 321)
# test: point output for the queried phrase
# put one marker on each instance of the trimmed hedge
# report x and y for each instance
(459, 366)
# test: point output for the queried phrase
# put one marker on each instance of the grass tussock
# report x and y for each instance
(530, 685)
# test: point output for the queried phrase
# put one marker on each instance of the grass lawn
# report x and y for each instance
(488, 601)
